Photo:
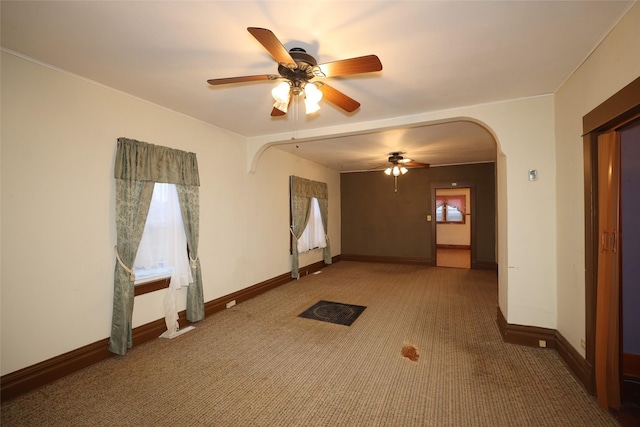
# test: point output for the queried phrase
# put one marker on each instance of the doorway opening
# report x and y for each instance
(453, 227)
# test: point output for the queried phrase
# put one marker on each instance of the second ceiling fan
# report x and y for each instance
(297, 68)
(399, 164)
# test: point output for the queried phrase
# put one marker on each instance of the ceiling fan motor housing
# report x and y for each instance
(395, 158)
(302, 70)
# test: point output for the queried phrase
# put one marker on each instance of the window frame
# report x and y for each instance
(445, 198)
(155, 284)
(151, 286)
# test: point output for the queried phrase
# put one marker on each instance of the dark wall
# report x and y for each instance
(378, 222)
(630, 191)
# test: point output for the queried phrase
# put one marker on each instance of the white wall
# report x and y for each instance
(59, 136)
(613, 65)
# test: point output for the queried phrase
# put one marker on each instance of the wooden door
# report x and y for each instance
(607, 348)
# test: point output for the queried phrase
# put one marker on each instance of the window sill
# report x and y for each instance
(152, 286)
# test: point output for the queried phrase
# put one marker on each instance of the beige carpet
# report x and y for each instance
(258, 364)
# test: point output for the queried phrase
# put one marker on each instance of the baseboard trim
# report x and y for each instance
(443, 246)
(475, 265)
(245, 294)
(27, 379)
(242, 295)
(532, 335)
(388, 259)
(32, 377)
(631, 365)
(484, 265)
(578, 365)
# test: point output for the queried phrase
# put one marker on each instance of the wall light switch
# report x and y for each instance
(533, 175)
(428, 217)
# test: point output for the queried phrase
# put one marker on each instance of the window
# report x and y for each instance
(313, 236)
(163, 249)
(450, 209)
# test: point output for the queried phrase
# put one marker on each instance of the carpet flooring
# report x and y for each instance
(259, 364)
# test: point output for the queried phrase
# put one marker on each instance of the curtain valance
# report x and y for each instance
(141, 161)
(301, 187)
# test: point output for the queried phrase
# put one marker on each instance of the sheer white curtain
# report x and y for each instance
(163, 249)
(313, 236)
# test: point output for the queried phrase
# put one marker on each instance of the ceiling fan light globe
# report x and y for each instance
(388, 171)
(281, 92)
(282, 106)
(312, 93)
(396, 170)
(403, 170)
(310, 106)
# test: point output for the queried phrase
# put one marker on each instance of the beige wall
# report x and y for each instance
(614, 64)
(59, 136)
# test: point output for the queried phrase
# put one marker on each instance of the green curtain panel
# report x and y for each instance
(133, 199)
(302, 190)
(189, 196)
(138, 166)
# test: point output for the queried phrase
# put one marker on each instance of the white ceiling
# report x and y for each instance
(436, 55)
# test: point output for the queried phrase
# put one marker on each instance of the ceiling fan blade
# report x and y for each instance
(362, 64)
(339, 99)
(416, 165)
(272, 44)
(243, 79)
(277, 113)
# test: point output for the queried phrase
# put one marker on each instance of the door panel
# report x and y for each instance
(607, 354)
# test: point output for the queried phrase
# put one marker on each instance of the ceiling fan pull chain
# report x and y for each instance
(295, 117)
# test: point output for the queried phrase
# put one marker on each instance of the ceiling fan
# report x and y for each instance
(296, 69)
(399, 165)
